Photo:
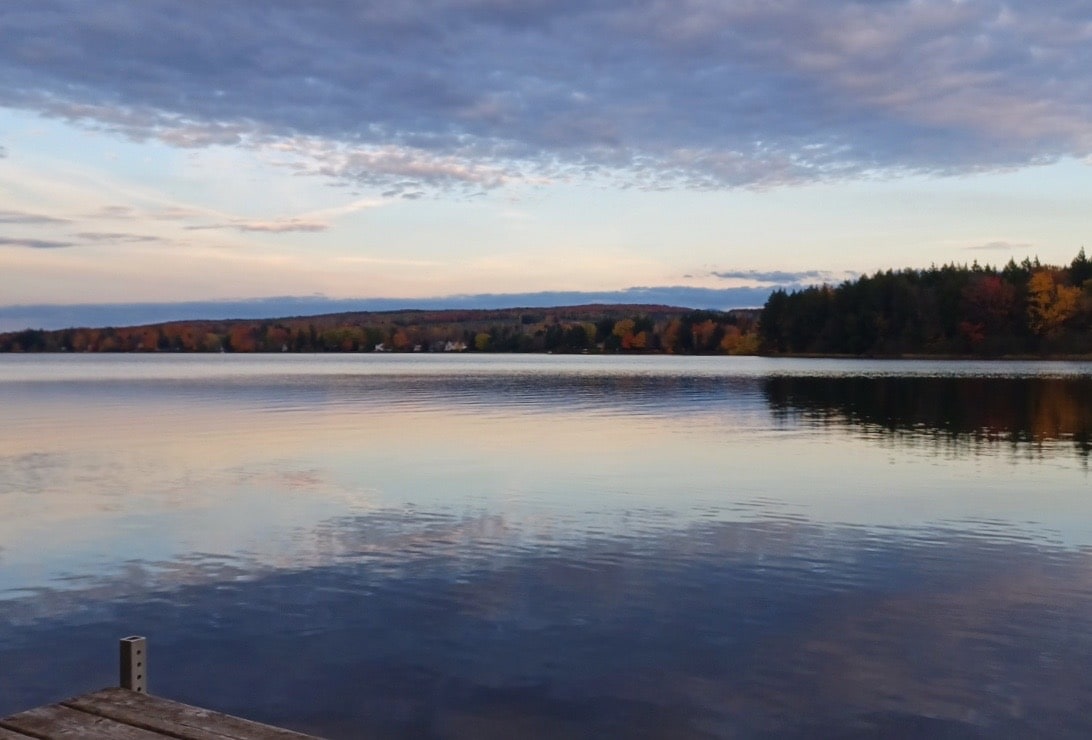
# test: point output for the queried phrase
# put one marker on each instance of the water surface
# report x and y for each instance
(468, 546)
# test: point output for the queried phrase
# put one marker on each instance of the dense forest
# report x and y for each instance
(1021, 309)
(596, 328)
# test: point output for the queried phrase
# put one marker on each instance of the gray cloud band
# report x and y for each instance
(477, 94)
(33, 243)
(30, 219)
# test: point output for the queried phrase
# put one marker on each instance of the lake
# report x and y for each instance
(467, 546)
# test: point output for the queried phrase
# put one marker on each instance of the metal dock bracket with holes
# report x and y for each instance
(134, 664)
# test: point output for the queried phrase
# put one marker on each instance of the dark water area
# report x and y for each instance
(574, 547)
(1022, 412)
(767, 630)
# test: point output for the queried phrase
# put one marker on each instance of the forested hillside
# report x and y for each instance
(1024, 308)
(596, 328)
(1020, 309)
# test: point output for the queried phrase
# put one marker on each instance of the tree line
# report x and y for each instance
(1024, 308)
(613, 329)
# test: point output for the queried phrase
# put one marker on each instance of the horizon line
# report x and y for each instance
(53, 316)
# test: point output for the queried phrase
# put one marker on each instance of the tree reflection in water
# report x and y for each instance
(1025, 413)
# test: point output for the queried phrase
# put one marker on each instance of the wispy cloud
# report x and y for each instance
(310, 223)
(1002, 246)
(403, 169)
(174, 213)
(356, 206)
(116, 237)
(784, 278)
(33, 243)
(649, 94)
(120, 213)
(21, 217)
(129, 213)
(273, 227)
(775, 276)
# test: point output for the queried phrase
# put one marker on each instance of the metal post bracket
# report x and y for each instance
(134, 664)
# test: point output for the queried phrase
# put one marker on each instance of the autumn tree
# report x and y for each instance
(242, 338)
(1050, 302)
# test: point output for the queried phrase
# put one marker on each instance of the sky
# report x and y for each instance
(181, 159)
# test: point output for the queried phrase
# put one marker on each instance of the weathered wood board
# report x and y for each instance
(129, 715)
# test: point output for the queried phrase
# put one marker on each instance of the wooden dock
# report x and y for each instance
(129, 713)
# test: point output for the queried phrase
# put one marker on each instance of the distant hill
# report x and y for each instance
(586, 328)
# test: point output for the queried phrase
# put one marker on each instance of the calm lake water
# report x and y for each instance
(562, 547)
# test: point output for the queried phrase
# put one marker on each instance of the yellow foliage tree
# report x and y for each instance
(1050, 302)
(747, 345)
(624, 327)
(731, 339)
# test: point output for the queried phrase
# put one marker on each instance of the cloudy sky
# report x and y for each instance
(517, 151)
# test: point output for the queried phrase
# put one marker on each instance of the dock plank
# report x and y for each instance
(56, 721)
(175, 719)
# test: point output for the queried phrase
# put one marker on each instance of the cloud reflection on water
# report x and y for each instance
(461, 627)
(479, 549)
